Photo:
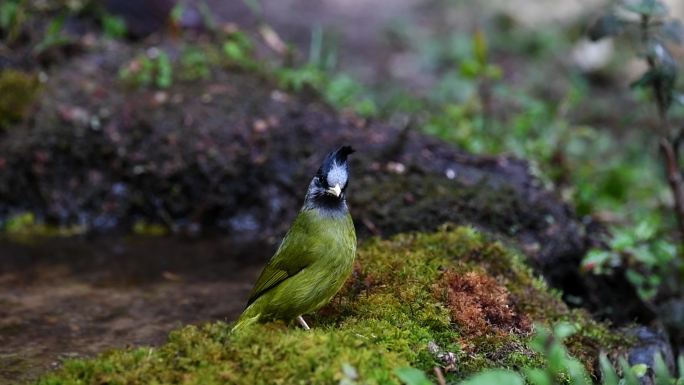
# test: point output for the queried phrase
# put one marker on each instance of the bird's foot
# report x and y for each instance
(303, 323)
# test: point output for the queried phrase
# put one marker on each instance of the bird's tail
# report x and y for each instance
(248, 317)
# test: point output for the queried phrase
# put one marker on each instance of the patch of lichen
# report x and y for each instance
(17, 92)
(387, 315)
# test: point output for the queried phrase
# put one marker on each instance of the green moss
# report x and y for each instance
(385, 317)
(17, 92)
(24, 227)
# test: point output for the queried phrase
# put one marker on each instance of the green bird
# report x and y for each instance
(315, 257)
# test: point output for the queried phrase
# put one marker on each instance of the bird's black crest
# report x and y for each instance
(341, 154)
(338, 156)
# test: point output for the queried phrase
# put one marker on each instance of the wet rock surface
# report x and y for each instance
(650, 341)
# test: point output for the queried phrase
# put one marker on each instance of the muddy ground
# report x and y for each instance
(66, 298)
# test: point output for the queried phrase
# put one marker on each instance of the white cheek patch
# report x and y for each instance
(337, 175)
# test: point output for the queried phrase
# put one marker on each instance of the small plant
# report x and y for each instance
(642, 250)
(152, 68)
(12, 17)
(650, 21)
(237, 49)
(54, 35)
(338, 89)
(114, 27)
(479, 69)
(650, 260)
(194, 64)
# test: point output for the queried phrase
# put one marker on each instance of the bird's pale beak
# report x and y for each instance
(335, 190)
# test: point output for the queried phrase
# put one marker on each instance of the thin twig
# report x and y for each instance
(440, 376)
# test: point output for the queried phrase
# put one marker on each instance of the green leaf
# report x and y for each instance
(643, 254)
(635, 277)
(470, 69)
(412, 376)
(629, 375)
(177, 12)
(664, 252)
(577, 371)
(639, 370)
(662, 373)
(596, 258)
(540, 339)
(622, 240)
(165, 71)
(536, 376)
(55, 26)
(608, 374)
(564, 330)
(645, 230)
(8, 12)
(480, 48)
(114, 26)
(556, 357)
(53, 35)
(494, 376)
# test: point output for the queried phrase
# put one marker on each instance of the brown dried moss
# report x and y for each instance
(479, 304)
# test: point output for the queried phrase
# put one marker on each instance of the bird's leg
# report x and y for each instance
(303, 323)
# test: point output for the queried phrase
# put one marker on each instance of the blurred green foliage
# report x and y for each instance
(25, 227)
(154, 68)
(195, 64)
(114, 27)
(45, 21)
(238, 49)
(12, 17)
(653, 264)
(643, 251)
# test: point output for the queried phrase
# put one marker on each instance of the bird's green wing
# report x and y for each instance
(292, 256)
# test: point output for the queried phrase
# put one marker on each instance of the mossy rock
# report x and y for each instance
(452, 298)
